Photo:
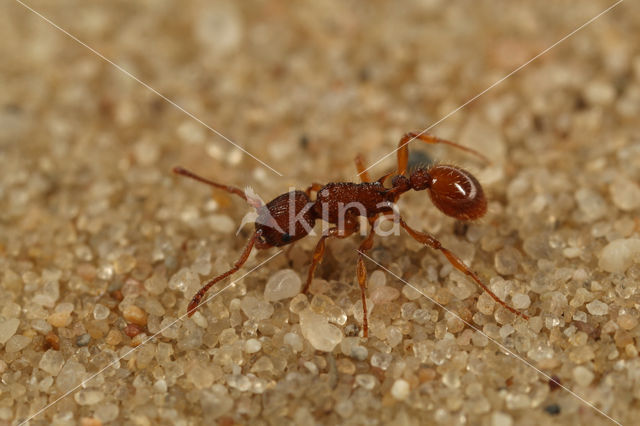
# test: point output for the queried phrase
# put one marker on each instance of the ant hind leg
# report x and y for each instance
(456, 262)
(403, 150)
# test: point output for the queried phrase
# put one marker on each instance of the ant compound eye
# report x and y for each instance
(457, 193)
(286, 238)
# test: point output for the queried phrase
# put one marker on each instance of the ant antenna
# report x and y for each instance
(230, 189)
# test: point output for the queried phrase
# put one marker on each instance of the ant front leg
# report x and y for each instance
(403, 149)
(456, 262)
(195, 302)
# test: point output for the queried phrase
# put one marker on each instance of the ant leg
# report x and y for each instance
(362, 169)
(318, 253)
(361, 272)
(364, 174)
(351, 225)
(432, 242)
(313, 188)
(403, 150)
(193, 305)
(230, 189)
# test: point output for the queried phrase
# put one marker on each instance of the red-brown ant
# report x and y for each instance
(291, 216)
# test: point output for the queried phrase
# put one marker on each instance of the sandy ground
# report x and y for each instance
(101, 247)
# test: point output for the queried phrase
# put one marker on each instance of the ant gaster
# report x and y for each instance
(454, 191)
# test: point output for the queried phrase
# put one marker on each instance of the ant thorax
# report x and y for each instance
(335, 201)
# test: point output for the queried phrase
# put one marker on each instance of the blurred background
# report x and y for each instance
(89, 206)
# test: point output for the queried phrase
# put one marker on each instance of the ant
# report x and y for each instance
(292, 215)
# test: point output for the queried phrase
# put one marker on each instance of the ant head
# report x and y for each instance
(456, 192)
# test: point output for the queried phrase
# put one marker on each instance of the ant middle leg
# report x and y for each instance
(403, 150)
(362, 169)
(456, 262)
(314, 187)
(364, 174)
(351, 226)
(361, 272)
(195, 301)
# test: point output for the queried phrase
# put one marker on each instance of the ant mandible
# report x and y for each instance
(454, 191)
